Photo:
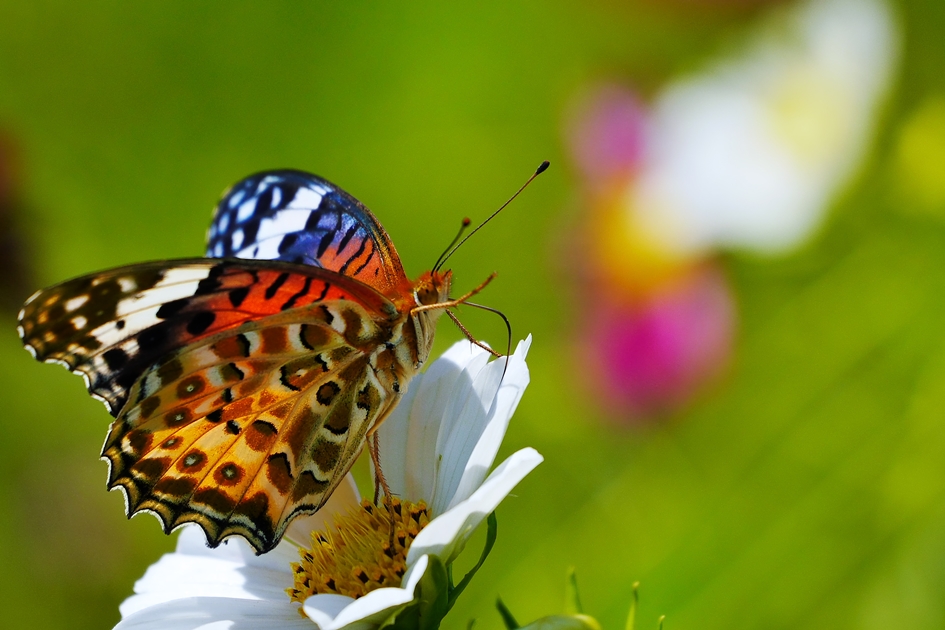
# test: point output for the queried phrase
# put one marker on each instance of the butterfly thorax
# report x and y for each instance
(431, 288)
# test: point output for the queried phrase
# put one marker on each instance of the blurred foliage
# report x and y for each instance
(808, 493)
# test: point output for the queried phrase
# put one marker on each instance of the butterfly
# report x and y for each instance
(245, 385)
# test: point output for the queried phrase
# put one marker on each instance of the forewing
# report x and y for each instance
(299, 217)
(112, 326)
(241, 432)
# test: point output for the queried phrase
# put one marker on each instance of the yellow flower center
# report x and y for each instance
(355, 556)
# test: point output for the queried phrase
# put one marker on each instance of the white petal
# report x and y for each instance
(216, 613)
(322, 609)
(446, 535)
(475, 440)
(409, 437)
(370, 610)
(441, 440)
(232, 570)
(193, 542)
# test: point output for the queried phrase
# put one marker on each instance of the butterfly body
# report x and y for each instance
(243, 390)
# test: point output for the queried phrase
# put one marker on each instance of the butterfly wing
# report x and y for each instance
(242, 389)
(299, 217)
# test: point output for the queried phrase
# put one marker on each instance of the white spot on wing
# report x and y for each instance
(237, 198)
(183, 275)
(284, 222)
(246, 210)
(79, 322)
(76, 302)
(137, 318)
(264, 250)
(238, 239)
(307, 199)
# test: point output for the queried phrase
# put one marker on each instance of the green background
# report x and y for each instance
(807, 492)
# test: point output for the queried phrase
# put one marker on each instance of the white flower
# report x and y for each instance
(749, 153)
(437, 446)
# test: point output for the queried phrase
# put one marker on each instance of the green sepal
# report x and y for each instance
(426, 612)
(492, 533)
(435, 594)
(564, 622)
(632, 613)
(507, 618)
(572, 600)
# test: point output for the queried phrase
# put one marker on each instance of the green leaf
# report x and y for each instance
(433, 603)
(632, 614)
(564, 622)
(510, 623)
(572, 601)
(491, 534)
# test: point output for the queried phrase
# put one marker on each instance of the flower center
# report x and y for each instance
(355, 556)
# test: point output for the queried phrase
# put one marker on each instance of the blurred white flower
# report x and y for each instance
(749, 153)
(436, 447)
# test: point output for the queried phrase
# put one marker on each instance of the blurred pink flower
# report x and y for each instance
(607, 135)
(648, 356)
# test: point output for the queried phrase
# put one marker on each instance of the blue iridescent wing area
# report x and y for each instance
(299, 217)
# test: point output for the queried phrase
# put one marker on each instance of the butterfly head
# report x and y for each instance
(430, 291)
(433, 287)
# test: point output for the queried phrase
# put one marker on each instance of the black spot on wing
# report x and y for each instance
(251, 228)
(170, 309)
(357, 254)
(200, 322)
(302, 292)
(285, 377)
(324, 243)
(287, 242)
(115, 358)
(349, 234)
(273, 288)
(238, 295)
(211, 284)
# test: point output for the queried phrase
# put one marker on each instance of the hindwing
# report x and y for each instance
(241, 432)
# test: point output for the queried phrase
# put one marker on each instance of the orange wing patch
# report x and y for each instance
(241, 432)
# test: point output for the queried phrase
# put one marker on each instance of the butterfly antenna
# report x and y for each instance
(450, 250)
(508, 328)
(462, 228)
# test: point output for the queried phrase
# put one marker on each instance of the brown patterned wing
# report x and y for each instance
(111, 326)
(253, 428)
(243, 389)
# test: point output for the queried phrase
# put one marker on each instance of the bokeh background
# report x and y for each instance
(801, 485)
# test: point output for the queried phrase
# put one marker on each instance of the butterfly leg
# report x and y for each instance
(469, 336)
(380, 482)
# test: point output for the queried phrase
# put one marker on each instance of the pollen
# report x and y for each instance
(355, 556)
